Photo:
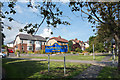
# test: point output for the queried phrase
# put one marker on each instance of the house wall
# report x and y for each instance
(73, 42)
(26, 44)
(17, 41)
(83, 48)
(10, 45)
(86, 45)
(24, 47)
(43, 47)
(51, 42)
(44, 43)
(24, 41)
(37, 45)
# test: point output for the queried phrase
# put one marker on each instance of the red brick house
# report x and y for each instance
(77, 44)
(28, 42)
(58, 40)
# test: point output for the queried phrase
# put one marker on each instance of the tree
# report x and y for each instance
(51, 14)
(78, 50)
(3, 36)
(98, 46)
(104, 35)
(70, 45)
(106, 13)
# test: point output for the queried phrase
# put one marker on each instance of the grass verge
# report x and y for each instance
(109, 72)
(16, 68)
(71, 57)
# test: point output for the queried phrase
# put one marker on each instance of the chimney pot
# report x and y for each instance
(59, 36)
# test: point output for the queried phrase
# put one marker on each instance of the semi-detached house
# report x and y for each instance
(28, 42)
(58, 40)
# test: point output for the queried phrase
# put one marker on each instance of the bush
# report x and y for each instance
(3, 46)
(78, 50)
(69, 51)
(87, 49)
(30, 52)
(22, 52)
(74, 52)
(16, 52)
(85, 52)
(40, 52)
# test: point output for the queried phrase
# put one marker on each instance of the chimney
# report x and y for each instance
(30, 34)
(59, 36)
(75, 38)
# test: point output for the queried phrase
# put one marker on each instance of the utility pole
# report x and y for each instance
(93, 53)
(64, 65)
(113, 55)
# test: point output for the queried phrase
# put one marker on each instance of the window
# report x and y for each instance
(29, 48)
(37, 48)
(37, 42)
(28, 41)
(16, 46)
(22, 41)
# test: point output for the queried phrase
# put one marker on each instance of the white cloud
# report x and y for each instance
(23, 1)
(64, 1)
(11, 34)
(34, 9)
(33, 4)
(46, 33)
(18, 8)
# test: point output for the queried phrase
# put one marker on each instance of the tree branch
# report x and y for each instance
(40, 25)
(95, 14)
(88, 14)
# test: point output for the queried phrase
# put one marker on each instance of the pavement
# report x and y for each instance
(93, 71)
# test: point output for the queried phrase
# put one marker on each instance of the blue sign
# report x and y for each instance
(56, 48)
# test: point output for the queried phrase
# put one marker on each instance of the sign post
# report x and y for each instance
(64, 65)
(56, 48)
(48, 62)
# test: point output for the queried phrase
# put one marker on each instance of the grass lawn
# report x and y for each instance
(16, 68)
(109, 72)
(71, 57)
(116, 58)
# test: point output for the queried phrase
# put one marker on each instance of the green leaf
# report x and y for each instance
(93, 30)
(6, 12)
(20, 30)
(51, 33)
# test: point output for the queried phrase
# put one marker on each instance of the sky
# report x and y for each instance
(79, 28)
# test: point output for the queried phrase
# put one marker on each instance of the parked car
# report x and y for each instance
(10, 51)
(3, 55)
